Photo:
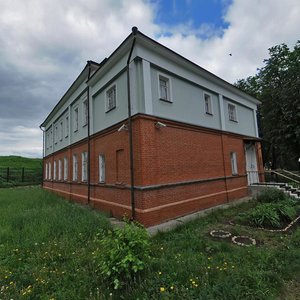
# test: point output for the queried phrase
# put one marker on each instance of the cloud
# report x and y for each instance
(45, 45)
(254, 26)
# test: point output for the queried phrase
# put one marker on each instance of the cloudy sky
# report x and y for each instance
(45, 44)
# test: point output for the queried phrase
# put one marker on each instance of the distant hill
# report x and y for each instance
(20, 162)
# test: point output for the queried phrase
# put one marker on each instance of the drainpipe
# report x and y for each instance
(224, 168)
(88, 137)
(43, 129)
(134, 32)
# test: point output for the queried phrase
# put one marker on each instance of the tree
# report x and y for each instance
(277, 86)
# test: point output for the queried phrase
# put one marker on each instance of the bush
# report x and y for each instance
(265, 215)
(271, 195)
(123, 254)
(273, 214)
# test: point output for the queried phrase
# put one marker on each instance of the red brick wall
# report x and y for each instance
(172, 166)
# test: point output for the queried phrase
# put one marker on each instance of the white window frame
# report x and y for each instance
(46, 171)
(65, 168)
(59, 170)
(208, 104)
(76, 118)
(101, 168)
(51, 138)
(166, 78)
(233, 160)
(84, 112)
(61, 130)
(54, 170)
(67, 127)
(84, 166)
(232, 116)
(107, 107)
(75, 167)
(55, 134)
(50, 175)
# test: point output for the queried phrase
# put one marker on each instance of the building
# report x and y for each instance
(151, 135)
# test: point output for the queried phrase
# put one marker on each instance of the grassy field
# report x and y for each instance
(22, 171)
(47, 248)
(12, 161)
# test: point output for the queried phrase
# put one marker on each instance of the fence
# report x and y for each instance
(20, 176)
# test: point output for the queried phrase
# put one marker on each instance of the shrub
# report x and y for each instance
(265, 215)
(271, 195)
(123, 254)
(286, 211)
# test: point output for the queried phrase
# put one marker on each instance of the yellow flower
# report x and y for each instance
(172, 287)
(159, 273)
(162, 289)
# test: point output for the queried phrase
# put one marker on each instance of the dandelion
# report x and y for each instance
(162, 289)
(208, 267)
(159, 273)
(172, 287)
(161, 248)
(209, 258)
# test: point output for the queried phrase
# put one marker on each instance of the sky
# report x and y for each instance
(44, 45)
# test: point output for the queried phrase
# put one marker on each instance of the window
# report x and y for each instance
(49, 169)
(46, 171)
(59, 170)
(232, 112)
(50, 139)
(61, 131)
(67, 127)
(65, 168)
(85, 112)
(233, 160)
(75, 167)
(84, 163)
(54, 170)
(101, 168)
(55, 134)
(208, 104)
(111, 98)
(76, 119)
(164, 88)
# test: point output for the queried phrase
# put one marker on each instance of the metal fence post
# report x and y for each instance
(23, 174)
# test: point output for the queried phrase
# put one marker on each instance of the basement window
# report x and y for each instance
(101, 168)
(84, 164)
(75, 168)
(65, 168)
(54, 170)
(59, 170)
(233, 160)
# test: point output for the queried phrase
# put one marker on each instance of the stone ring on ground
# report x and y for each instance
(243, 240)
(220, 234)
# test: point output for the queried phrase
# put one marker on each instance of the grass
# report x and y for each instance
(13, 161)
(47, 246)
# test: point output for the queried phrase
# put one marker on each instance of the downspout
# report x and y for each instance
(88, 137)
(134, 32)
(224, 168)
(43, 154)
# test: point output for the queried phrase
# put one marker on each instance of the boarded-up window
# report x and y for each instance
(121, 170)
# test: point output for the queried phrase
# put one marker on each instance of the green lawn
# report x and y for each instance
(13, 161)
(47, 248)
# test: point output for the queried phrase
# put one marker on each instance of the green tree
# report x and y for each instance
(277, 85)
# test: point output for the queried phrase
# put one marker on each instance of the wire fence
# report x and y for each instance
(20, 176)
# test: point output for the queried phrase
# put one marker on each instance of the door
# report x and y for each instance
(251, 163)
